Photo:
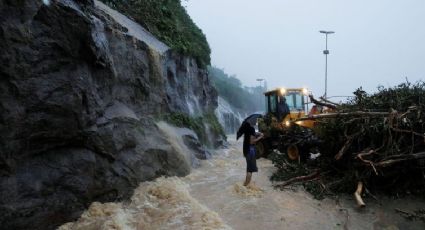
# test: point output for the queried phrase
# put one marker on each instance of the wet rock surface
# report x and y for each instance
(78, 95)
(193, 143)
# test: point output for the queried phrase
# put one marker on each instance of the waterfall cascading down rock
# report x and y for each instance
(80, 88)
(229, 117)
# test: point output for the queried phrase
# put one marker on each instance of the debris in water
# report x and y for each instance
(221, 163)
(249, 191)
(162, 204)
(101, 216)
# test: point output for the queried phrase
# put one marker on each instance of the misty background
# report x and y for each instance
(379, 42)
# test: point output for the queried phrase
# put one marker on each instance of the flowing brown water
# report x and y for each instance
(212, 197)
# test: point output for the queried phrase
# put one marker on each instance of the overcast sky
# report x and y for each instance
(376, 42)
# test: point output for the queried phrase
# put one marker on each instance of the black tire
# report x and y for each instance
(262, 149)
(293, 152)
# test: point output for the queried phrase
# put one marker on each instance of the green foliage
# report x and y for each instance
(197, 125)
(184, 121)
(285, 167)
(169, 21)
(230, 88)
(375, 130)
(216, 128)
(398, 98)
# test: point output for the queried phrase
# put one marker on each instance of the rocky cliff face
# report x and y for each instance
(80, 85)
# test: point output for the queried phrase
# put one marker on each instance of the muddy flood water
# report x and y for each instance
(212, 197)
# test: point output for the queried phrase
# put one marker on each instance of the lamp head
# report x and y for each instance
(326, 32)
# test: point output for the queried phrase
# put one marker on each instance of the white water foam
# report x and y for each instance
(162, 204)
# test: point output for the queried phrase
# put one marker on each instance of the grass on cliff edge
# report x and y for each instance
(197, 125)
(169, 21)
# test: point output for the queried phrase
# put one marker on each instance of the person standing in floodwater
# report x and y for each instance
(250, 138)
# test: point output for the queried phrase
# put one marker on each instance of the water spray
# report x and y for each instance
(46, 2)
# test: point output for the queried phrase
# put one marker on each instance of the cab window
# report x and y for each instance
(290, 101)
(299, 101)
(295, 101)
(273, 103)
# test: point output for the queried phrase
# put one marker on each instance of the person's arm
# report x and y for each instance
(254, 139)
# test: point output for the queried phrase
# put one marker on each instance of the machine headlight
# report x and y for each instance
(301, 123)
(282, 91)
(287, 123)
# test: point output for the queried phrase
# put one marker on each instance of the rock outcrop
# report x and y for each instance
(80, 86)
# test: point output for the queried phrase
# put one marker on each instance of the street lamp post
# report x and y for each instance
(326, 52)
(260, 80)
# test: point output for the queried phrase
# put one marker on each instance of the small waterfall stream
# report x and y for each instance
(228, 117)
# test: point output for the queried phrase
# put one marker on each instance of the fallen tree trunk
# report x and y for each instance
(344, 114)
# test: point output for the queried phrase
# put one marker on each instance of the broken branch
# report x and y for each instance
(358, 193)
(315, 101)
(311, 176)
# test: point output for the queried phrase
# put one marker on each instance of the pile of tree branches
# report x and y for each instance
(373, 143)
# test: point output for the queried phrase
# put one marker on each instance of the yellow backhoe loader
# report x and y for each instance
(281, 125)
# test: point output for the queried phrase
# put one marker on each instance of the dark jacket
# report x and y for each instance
(247, 130)
(282, 110)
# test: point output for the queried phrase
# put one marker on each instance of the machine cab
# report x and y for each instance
(295, 99)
